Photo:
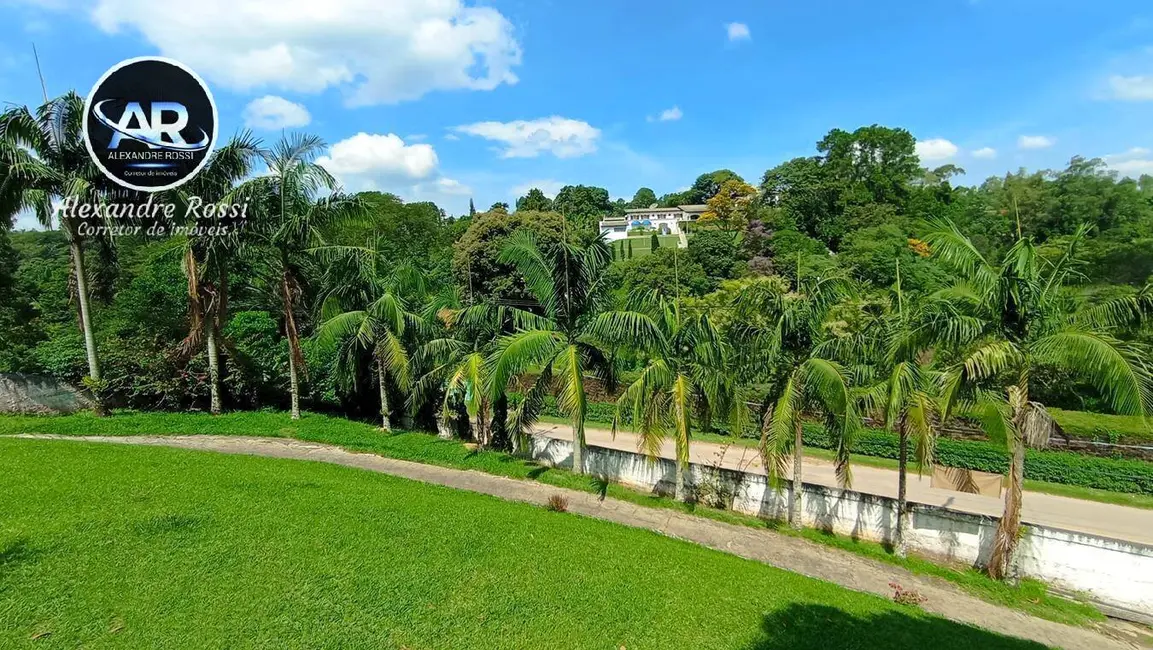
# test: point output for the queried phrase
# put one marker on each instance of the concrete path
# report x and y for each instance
(1118, 522)
(789, 553)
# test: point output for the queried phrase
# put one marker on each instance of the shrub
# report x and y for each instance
(903, 596)
(556, 503)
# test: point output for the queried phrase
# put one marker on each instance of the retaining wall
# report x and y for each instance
(1116, 574)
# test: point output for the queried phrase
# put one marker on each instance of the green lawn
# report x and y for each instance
(1030, 596)
(641, 245)
(109, 546)
(1123, 429)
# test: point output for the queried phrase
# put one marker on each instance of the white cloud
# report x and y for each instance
(668, 115)
(1134, 163)
(371, 160)
(935, 149)
(376, 52)
(1131, 89)
(738, 31)
(1035, 142)
(986, 153)
(560, 136)
(548, 187)
(270, 113)
(415, 137)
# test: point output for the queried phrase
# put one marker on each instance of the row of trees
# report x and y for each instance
(776, 313)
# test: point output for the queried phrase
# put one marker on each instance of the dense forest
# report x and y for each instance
(851, 282)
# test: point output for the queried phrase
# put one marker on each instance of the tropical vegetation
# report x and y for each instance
(846, 285)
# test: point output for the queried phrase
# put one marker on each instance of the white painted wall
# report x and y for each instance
(1116, 574)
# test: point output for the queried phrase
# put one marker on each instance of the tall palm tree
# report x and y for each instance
(781, 327)
(293, 204)
(685, 379)
(43, 161)
(573, 336)
(208, 254)
(1001, 324)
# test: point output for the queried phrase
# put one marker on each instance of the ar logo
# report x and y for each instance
(151, 130)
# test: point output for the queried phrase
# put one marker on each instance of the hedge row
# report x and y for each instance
(1115, 475)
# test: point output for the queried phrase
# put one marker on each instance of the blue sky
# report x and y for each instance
(446, 100)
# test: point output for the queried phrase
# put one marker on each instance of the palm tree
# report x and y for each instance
(208, 255)
(684, 379)
(43, 160)
(290, 219)
(573, 336)
(782, 327)
(456, 364)
(1001, 324)
(379, 328)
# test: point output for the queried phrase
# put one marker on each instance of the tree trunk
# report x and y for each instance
(384, 423)
(213, 366)
(578, 443)
(795, 513)
(86, 318)
(899, 544)
(294, 384)
(295, 358)
(679, 490)
(1005, 542)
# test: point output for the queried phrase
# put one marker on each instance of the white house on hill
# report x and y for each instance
(663, 221)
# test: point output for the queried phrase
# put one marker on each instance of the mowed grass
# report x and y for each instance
(1030, 596)
(111, 546)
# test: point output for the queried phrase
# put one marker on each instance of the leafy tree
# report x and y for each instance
(731, 207)
(666, 271)
(499, 206)
(535, 200)
(672, 200)
(471, 208)
(644, 198)
(716, 252)
(1008, 321)
(708, 185)
(574, 336)
(476, 255)
(583, 205)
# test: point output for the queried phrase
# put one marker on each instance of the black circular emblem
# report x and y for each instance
(150, 123)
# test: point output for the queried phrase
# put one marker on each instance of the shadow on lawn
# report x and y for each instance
(818, 627)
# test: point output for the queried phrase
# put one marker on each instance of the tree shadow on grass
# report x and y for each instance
(819, 627)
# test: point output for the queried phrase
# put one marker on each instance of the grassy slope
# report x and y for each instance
(1131, 429)
(1029, 597)
(153, 547)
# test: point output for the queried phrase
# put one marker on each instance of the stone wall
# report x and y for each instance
(38, 394)
(1117, 575)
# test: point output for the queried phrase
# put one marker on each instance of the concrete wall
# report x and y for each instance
(1118, 575)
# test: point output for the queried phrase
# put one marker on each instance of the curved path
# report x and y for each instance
(789, 553)
(1065, 513)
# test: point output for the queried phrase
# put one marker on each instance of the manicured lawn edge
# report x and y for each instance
(1030, 596)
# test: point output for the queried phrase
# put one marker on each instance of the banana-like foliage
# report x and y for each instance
(685, 380)
(573, 336)
(1005, 321)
